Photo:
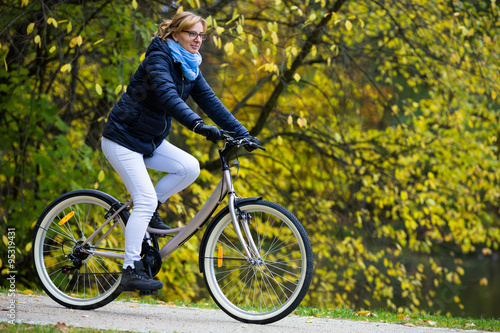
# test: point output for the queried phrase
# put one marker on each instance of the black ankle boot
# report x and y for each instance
(137, 279)
(156, 221)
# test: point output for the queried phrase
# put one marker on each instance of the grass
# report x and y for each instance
(407, 319)
(23, 328)
(381, 316)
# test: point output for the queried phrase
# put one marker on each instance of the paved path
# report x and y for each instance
(129, 316)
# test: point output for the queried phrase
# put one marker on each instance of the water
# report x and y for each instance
(480, 301)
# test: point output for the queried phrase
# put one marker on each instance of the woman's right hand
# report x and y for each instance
(212, 133)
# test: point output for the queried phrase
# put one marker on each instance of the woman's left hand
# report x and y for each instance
(253, 140)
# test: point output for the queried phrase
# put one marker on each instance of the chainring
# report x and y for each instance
(151, 259)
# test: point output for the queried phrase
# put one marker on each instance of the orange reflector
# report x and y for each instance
(66, 218)
(219, 255)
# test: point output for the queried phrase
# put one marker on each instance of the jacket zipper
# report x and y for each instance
(182, 92)
(164, 129)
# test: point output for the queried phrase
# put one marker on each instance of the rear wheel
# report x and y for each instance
(269, 286)
(66, 272)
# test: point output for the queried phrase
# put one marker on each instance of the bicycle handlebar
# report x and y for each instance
(239, 142)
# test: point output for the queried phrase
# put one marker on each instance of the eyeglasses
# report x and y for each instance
(194, 34)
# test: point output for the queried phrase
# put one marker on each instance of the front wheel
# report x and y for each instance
(269, 286)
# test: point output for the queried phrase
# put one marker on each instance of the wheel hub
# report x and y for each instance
(256, 262)
(77, 250)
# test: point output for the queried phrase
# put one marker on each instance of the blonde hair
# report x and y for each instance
(181, 21)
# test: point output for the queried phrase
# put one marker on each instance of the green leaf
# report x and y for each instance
(100, 176)
(98, 89)
(348, 25)
(30, 28)
(254, 50)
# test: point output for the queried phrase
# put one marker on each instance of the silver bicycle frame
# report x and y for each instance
(183, 234)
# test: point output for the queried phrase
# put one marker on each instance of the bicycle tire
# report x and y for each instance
(265, 292)
(70, 219)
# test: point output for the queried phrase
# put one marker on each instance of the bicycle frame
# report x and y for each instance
(183, 234)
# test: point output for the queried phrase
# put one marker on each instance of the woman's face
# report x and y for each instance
(191, 45)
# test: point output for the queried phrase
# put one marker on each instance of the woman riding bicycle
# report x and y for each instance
(134, 135)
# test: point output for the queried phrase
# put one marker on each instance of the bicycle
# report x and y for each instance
(255, 256)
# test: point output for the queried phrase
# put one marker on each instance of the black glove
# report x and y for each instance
(252, 139)
(212, 133)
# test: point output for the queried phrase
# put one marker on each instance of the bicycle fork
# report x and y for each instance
(250, 248)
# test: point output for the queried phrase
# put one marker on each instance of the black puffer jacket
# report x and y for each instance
(142, 118)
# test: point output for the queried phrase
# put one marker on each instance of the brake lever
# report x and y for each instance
(240, 142)
(252, 144)
(226, 132)
(256, 145)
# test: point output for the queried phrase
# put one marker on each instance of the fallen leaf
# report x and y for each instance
(365, 314)
(28, 292)
(85, 316)
(409, 324)
(62, 326)
(161, 302)
(470, 325)
(134, 306)
(486, 251)
(400, 316)
(432, 323)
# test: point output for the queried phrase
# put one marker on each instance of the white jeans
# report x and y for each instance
(182, 168)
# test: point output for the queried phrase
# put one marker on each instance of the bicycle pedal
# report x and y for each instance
(148, 292)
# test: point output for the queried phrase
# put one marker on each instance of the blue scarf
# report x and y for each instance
(189, 61)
